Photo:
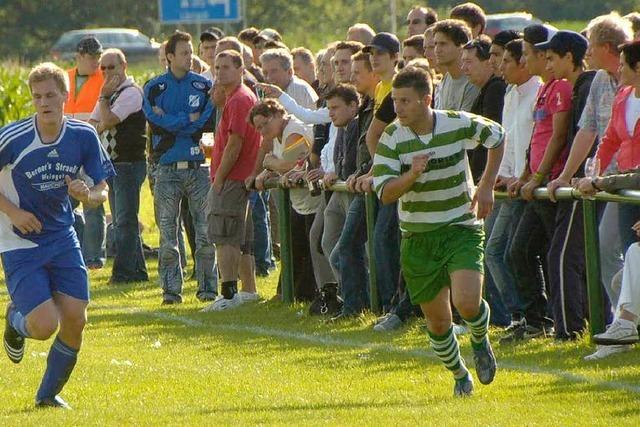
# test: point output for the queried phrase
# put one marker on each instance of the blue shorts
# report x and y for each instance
(34, 274)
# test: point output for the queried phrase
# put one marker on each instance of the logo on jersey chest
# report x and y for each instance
(53, 153)
(194, 101)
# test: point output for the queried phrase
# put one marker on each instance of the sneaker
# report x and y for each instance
(619, 332)
(485, 362)
(382, 318)
(391, 323)
(603, 351)
(14, 343)
(52, 402)
(463, 387)
(222, 303)
(514, 324)
(248, 296)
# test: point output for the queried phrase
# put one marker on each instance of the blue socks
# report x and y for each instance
(18, 321)
(60, 363)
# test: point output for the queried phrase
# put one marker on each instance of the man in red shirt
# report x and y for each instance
(233, 160)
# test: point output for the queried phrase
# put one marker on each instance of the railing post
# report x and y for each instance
(370, 208)
(592, 261)
(286, 256)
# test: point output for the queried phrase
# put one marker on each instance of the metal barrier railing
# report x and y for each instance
(592, 253)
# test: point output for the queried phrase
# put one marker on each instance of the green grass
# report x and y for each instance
(269, 363)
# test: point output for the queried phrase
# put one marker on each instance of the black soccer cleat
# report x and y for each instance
(13, 341)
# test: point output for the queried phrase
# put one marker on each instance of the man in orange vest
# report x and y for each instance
(85, 82)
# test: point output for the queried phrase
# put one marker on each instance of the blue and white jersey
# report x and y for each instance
(32, 176)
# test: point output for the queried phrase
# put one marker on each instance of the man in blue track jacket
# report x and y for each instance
(177, 106)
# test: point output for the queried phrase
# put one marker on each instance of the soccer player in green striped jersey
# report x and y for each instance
(421, 161)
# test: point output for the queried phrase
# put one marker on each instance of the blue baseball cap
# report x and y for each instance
(568, 41)
(384, 41)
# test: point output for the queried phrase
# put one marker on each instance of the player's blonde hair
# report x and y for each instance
(46, 71)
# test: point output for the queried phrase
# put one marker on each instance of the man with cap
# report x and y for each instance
(264, 36)
(85, 83)
(384, 52)
(537, 223)
(565, 54)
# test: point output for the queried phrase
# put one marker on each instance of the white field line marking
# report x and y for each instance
(387, 348)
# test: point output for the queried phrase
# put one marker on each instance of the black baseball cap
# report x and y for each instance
(568, 41)
(90, 45)
(538, 33)
(384, 41)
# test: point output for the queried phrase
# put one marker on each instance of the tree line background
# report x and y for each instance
(28, 28)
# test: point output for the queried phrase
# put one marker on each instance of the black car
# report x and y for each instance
(135, 45)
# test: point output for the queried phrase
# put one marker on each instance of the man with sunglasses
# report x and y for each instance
(121, 124)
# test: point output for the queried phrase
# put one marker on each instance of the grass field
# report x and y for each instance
(268, 363)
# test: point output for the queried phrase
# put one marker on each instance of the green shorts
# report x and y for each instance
(427, 259)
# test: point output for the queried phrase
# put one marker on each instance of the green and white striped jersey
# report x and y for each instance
(442, 194)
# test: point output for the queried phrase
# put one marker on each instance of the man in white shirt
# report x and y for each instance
(517, 119)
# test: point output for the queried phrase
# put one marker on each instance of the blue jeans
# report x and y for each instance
(499, 314)
(497, 253)
(386, 246)
(171, 186)
(628, 215)
(124, 200)
(94, 236)
(350, 259)
(259, 204)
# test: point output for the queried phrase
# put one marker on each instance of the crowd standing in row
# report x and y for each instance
(432, 125)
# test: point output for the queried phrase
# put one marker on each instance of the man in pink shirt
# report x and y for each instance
(546, 160)
(233, 160)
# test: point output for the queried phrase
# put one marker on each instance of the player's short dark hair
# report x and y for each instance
(266, 108)
(236, 57)
(470, 13)
(247, 35)
(514, 47)
(456, 30)
(416, 42)
(631, 53)
(353, 46)
(174, 39)
(414, 78)
(364, 57)
(346, 92)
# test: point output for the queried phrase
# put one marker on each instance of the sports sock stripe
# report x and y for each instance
(447, 349)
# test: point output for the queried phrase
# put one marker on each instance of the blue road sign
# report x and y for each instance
(193, 11)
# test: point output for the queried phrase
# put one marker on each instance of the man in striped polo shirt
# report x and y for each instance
(421, 161)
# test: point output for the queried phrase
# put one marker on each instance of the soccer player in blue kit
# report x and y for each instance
(40, 159)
